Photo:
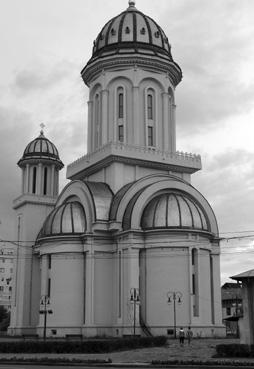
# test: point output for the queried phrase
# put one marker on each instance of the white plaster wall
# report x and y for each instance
(67, 290)
(166, 270)
(103, 288)
(204, 287)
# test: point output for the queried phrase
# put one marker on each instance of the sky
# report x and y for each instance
(45, 44)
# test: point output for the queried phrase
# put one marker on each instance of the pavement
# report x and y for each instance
(199, 351)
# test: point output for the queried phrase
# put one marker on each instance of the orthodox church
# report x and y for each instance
(129, 246)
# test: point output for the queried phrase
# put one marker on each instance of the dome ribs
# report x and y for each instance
(149, 30)
(120, 28)
(134, 27)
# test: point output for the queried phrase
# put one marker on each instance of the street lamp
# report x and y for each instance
(44, 303)
(176, 297)
(134, 299)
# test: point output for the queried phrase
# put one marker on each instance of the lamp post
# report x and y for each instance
(176, 297)
(134, 299)
(45, 301)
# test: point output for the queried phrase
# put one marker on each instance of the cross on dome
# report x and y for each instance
(131, 3)
(42, 125)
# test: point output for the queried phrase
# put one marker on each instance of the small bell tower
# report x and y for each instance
(40, 165)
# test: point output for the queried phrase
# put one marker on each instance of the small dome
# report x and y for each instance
(66, 219)
(40, 148)
(173, 210)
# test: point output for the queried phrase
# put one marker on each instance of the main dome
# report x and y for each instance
(132, 38)
(132, 28)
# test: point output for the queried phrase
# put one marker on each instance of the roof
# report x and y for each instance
(134, 38)
(244, 275)
(41, 148)
(174, 210)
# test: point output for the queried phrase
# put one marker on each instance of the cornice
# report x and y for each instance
(149, 62)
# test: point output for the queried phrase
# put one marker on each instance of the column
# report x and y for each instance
(89, 130)
(26, 188)
(104, 117)
(173, 126)
(165, 132)
(39, 180)
(89, 287)
(52, 180)
(136, 121)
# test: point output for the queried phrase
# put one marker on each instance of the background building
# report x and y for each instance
(129, 237)
(231, 296)
(6, 275)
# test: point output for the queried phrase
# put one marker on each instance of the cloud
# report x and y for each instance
(212, 45)
(39, 76)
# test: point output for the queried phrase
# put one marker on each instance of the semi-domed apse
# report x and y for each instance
(39, 149)
(136, 35)
(173, 210)
(66, 219)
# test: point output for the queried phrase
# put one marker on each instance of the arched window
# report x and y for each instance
(150, 118)
(120, 105)
(97, 122)
(45, 181)
(150, 106)
(34, 180)
(120, 101)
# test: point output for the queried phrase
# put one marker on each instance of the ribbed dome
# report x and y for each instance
(132, 26)
(40, 148)
(68, 218)
(132, 38)
(173, 210)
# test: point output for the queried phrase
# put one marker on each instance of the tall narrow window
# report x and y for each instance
(150, 115)
(49, 287)
(45, 181)
(120, 114)
(150, 136)
(49, 261)
(120, 105)
(150, 106)
(120, 133)
(34, 180)
(97, 121)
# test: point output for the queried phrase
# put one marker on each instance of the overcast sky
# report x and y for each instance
(45, 44)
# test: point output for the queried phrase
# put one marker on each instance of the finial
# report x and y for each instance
(42, 125)
(131, 3)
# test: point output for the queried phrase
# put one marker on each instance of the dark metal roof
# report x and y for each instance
(173, 210)
(66, 219)
(244, 275)
(132, 26)
(41, 148)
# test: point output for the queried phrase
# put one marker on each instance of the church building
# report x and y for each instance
(129, 246)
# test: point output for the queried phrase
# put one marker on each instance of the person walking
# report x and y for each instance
(189, 335)
(181, 336)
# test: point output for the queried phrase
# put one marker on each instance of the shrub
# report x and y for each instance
(88, 346)
(234, 350)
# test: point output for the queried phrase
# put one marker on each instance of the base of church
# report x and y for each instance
(99, 331)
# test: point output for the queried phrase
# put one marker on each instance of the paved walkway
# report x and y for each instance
(199, 349)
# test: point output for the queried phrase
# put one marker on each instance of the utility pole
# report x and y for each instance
(45, 302)
(134, 299)
(176, 296)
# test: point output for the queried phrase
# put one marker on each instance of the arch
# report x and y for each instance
(149, 187)
(152, 82)
(91, 195)
(95, 89)
(82, 193)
